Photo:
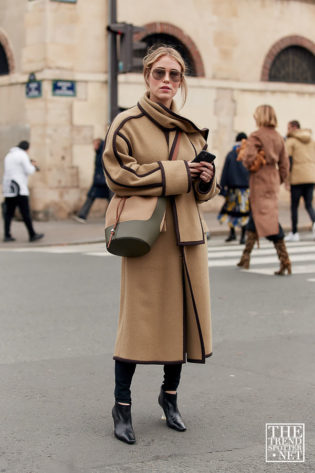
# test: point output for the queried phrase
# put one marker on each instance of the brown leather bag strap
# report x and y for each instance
(120, 208)
(177, 138)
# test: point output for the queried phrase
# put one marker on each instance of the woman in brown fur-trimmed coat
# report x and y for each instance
(165, 301)
(264, 185)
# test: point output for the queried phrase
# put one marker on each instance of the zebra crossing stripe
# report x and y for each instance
(215, 263)
(260, 251)
(98, 249)
(299, 252)
(296, 269)
(263, 245)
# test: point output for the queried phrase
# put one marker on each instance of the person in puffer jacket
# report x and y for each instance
(301, 151)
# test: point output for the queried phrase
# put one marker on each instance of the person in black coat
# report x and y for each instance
(235, 188)
(99, 188)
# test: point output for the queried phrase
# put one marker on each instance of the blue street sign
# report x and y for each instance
(33, 89)
(64, 88)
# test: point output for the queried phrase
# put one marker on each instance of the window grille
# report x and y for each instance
(293, 64)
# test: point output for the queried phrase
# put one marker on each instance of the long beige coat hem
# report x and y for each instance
(154, 362)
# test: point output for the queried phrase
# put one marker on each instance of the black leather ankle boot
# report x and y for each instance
(168, 402)
(232, 235)
(122, 423)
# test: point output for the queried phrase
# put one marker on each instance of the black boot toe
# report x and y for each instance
(168, 402)
(123, 429)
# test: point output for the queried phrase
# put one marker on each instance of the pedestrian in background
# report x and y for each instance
(301, 151)
(165, 300)
(99, 188)
(17, 168)
(235, 188)
(264, 184)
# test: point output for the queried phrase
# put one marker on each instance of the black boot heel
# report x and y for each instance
(122, 423)
(168, 402)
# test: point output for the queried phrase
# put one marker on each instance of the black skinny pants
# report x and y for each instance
(298, 191)
(10, 204)
(125, 371)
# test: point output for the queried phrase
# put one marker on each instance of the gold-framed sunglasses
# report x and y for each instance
(174, 75)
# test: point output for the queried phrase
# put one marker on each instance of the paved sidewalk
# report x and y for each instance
(70, 232)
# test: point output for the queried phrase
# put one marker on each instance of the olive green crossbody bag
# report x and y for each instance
(133, 224)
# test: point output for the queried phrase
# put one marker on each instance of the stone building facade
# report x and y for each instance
(243, 53)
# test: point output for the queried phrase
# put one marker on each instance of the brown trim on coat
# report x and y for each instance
(192, 144)
(191, 243)
(204, 131)
(174, 211)
(163, 178)
(138, 362)
(167, 137)
(192, 360)
(170, 157)
(184, 306)
(127, 141)
(177, 362)
(152, 119)
(116, 153)
(189, 177)
(178, 239)
(151, 186)
(201, 225)
(195, 308)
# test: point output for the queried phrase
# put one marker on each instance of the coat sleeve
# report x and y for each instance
(125, 176)
(26, 164)
(205, 191)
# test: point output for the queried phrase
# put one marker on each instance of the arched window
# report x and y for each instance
(158, 39)
(293, 64)
(4, 65)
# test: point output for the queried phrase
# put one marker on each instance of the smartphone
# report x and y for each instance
(204, 156)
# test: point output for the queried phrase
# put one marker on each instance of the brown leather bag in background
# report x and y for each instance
(259, 160)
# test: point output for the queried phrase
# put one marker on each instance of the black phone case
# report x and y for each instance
(204, 156)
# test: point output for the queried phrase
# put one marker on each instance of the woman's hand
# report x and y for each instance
(194, 169)
(203, 170)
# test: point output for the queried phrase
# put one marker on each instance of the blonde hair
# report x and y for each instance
(154, 54)
(265, 116)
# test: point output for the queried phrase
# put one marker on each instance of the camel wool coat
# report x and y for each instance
(165, 297)
(264, 184)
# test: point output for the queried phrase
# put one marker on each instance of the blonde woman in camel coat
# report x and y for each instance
(165, 303)
(264, 186)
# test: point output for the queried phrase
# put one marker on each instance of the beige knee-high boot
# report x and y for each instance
(249, 245)
(285, 263)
